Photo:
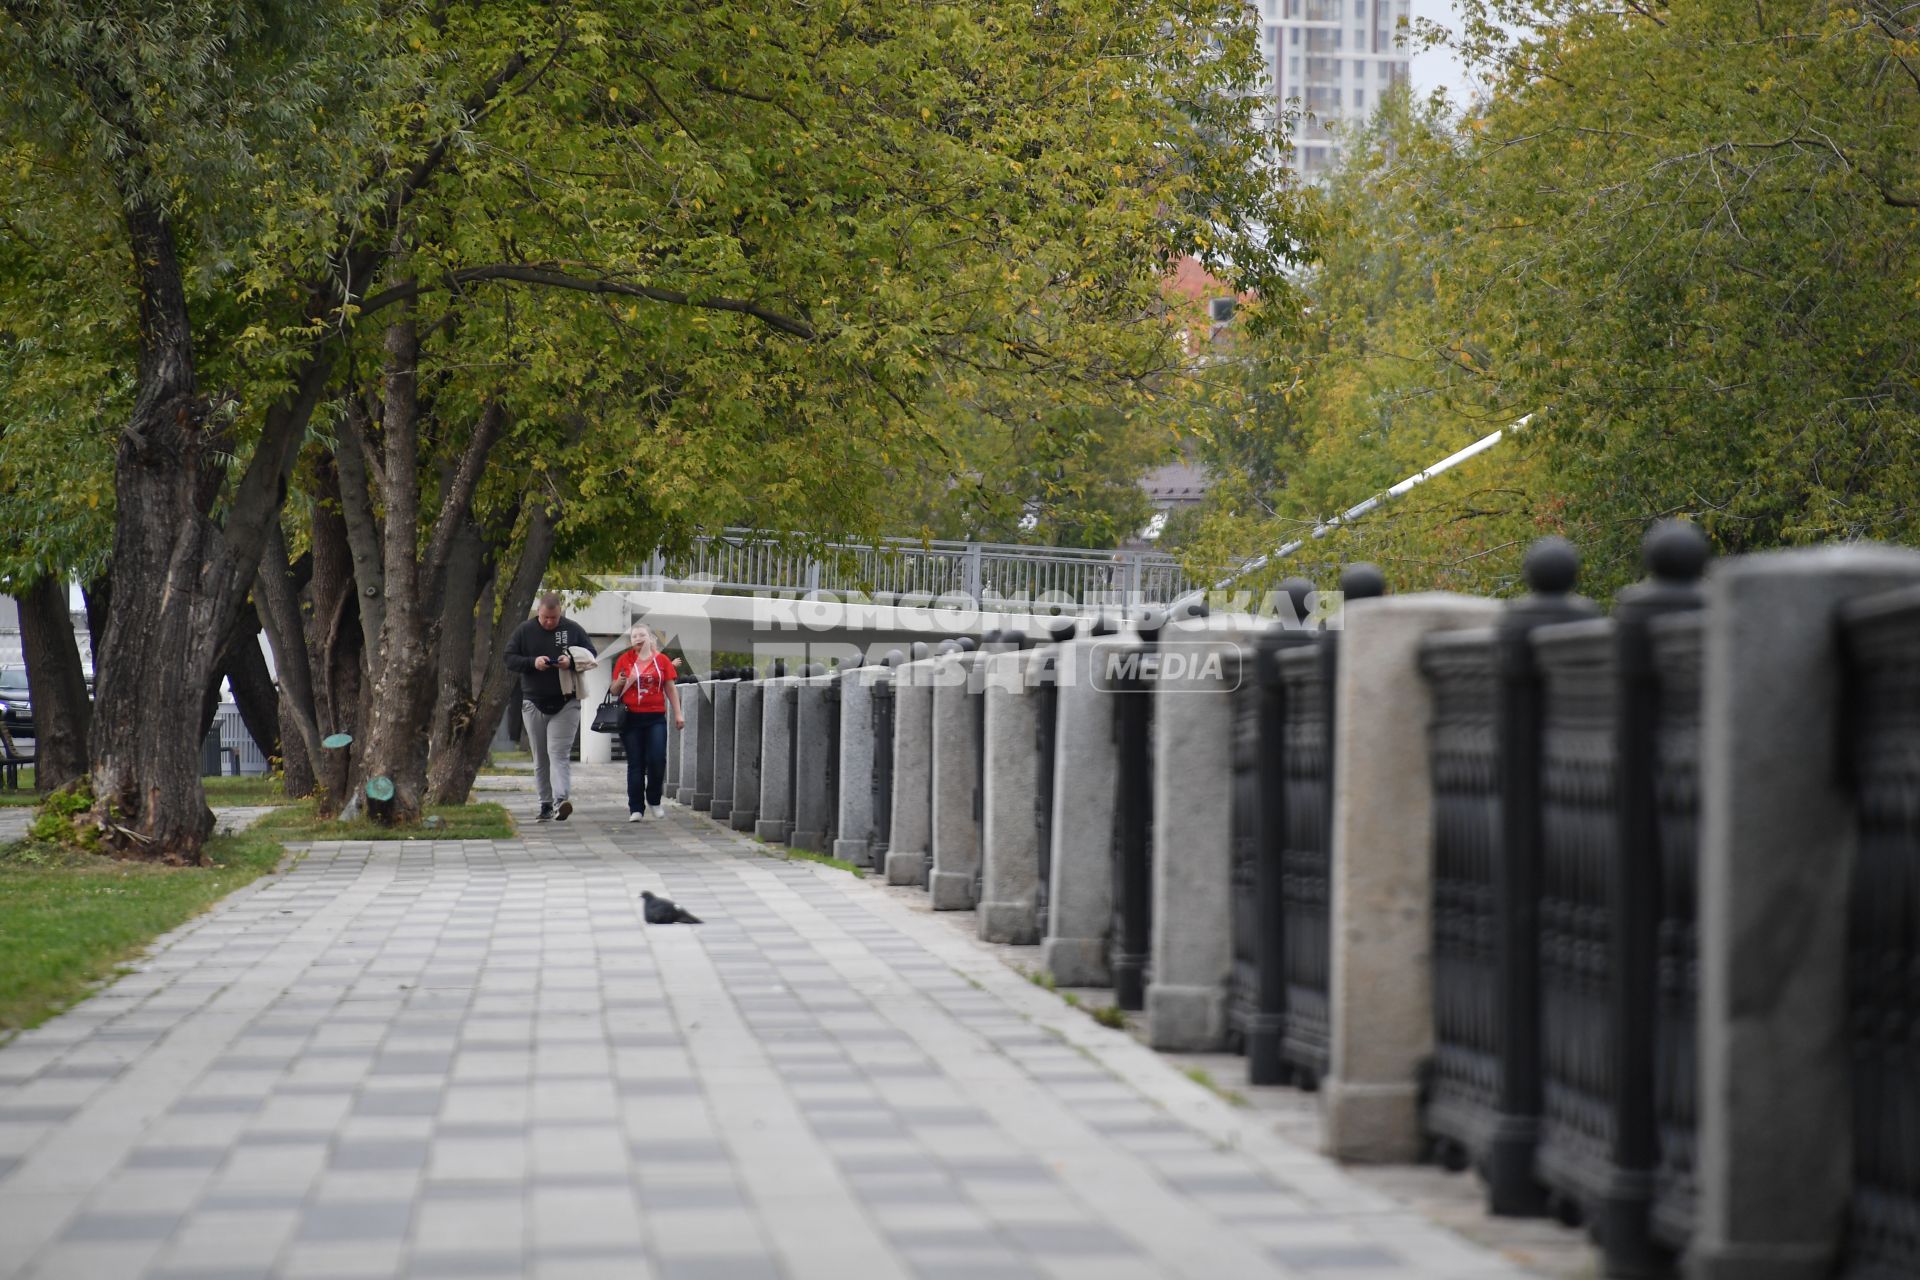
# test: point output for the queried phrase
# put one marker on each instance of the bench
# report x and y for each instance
(12, 759)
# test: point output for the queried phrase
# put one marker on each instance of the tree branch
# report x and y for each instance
(553, 277)
(458, 500)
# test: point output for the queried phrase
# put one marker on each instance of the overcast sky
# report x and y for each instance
(1435, 68)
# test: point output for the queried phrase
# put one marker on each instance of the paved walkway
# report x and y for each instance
(471, 1059)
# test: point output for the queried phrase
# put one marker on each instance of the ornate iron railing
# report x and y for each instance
(1676, 799)
(1579, 849)
(1132, 865)
(1464, 1079)
(1305, 862)
(748, 561)
(1883, 971)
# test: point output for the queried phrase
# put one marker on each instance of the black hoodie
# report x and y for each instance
(530, 640)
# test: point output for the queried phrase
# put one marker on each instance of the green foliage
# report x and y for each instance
(62, 818)
(68, 919)
(719, 259)
(300, 822)
(1111, 1016)
(1682, 236)
(825, 860)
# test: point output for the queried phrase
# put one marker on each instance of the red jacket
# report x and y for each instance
(648, 693)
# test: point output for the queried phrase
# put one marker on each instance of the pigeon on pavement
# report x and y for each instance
(665, 911)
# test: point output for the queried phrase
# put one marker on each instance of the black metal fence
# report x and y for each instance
(1565, 760)
(1565, 769)
(881, 801)
(1046, 717)
(1882, 638)
(1131, 934)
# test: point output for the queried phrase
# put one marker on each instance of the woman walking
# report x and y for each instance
(643, 681)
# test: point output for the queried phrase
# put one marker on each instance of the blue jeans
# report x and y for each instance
(644, 737)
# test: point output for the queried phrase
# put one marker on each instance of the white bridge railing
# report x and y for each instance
(747, 561)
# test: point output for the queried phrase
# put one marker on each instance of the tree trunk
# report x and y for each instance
(276, 591)
(57, 684)
(451, 775)
(179, 577)
(333, 638)
(296, 763)
(173, 582)
(395, 748)
(453, 704)
(407, 676)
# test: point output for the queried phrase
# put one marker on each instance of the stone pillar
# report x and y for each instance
(1777, 838)
(670, 792)
(1381, 894)
(1010, 781)
(815, 758)
(745, 810)
(956, 779)
(1192, 946)
(1080, 897)
(700, 723)
(909, 843)
(595, 748)
(855, 785)
(724, 694)
(692, 698)
(776, 760)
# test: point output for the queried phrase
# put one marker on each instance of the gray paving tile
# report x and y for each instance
(457, 1266)
(508, 987)
(905, 1189)
(398, 1102)
(1336, 1257)
(83, 1071)
(744, 1266)
(1069, 1239)
(1001, 1266)
(1229, 1183)
(103, 1226)
(355, 1220)
(251, 1201)
(216, 1106)
(389, 1154)
(997, 1169)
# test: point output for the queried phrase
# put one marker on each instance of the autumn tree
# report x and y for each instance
(846, 215)
(1681, 236)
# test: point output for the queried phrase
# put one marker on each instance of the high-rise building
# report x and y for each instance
(1334, 60)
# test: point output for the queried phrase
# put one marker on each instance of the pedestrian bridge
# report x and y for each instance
(746, 591)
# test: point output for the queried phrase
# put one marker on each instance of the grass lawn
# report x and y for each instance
(246, 789)
(68, 920)
(459, 822)
(249, 789)
(24, 797)
(513, 763)
(825, 860)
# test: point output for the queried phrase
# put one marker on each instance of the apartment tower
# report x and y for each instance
(1334, 60)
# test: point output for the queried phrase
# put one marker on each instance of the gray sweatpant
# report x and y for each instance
(550, 738)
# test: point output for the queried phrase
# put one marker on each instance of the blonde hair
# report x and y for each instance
(652, 642)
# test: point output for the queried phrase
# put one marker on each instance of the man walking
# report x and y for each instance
(547, 651)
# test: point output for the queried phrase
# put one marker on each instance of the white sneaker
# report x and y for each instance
(658, 812)
(635, 817)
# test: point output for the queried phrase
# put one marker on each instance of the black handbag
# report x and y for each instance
(610, 716)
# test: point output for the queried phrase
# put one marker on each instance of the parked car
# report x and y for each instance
(16, 704)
